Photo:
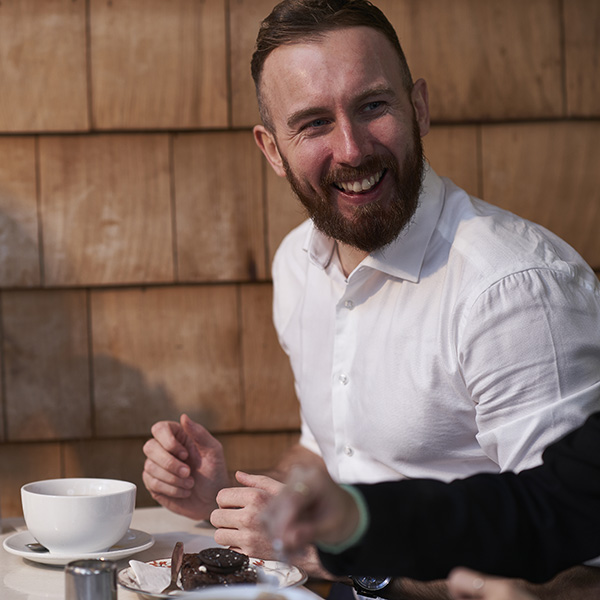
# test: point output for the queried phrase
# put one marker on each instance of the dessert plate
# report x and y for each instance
(271, 574)
(133, 541)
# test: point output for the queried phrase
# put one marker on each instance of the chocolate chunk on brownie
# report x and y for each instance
(206, 568)
(223, 560)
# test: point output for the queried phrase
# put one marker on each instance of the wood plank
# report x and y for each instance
(245, 17)
(582, 57)
(159, 352)
(269, 397)
(219, 207)
(46, 362)
(453, 152)
(43, 58)
(158, 64)
(106, 209)
(547, 172)
(255, 452)
(499, 59)
(113, 459)
(284, 210)
(21, 464)
(19, 246)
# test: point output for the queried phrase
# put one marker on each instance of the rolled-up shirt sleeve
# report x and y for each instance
(531, 362)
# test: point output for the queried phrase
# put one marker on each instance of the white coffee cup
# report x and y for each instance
(75, 516)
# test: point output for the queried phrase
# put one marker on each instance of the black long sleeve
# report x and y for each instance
(531, 525)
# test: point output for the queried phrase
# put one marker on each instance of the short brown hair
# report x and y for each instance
(292, 21)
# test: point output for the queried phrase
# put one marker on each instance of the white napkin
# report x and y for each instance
(150, 578)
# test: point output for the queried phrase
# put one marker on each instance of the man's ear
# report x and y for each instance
(420, 101)
(266, 142)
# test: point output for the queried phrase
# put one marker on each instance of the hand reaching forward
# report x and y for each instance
(465, 584)
(239, 516)
(185, 467)
(311, 508)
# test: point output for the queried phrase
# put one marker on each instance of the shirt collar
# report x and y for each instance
(404, 257)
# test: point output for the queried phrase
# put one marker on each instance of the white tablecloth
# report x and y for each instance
(21, 579)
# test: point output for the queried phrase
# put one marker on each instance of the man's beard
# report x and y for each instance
(377, 224)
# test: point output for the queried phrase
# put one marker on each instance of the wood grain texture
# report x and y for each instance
(492, 60)
(22, 463)
(113, 459)
(269, 397)
(106, 209)
(453, 151)
(46, 361)
(548, 173)
(582, 57)
(219, 204)
(159, 352)
(256, 452)
(43, 58)
(245, 17)
(158, 64)
(284, 210)
(19, 245)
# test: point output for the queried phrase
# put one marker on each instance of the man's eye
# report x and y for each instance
(373, 105)
(316, 123)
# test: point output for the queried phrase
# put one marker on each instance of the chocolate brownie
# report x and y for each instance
(216, 566)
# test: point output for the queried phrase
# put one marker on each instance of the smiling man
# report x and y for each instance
(430, 333)
(344, 125)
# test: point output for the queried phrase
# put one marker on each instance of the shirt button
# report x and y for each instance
(348, 451)
(349, 304)
(343, 379)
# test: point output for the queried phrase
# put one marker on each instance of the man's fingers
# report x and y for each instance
(171, 437)
(161, 457)
(261, 482)
(155, 471)
(156, 487)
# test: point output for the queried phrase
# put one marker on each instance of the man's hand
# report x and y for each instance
(240, 522)
(185, 467)
(465, 584)
(310, 508)
(239, 516)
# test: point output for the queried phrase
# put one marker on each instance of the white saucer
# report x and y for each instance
(133, 541)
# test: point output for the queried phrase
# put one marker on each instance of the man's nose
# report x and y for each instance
(350, 144)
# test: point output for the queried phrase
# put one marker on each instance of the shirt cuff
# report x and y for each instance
(361, 528)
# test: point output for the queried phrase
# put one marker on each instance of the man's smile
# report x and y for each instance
(360, 185)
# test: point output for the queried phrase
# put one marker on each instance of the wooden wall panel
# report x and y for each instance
(245, 17)
(106, 209)
(269, 398)
(582, 57)
(19, 247)
(160, 352)
(114, 459)
(498, 59)
(256, 452)
(220, 214)
(46, 363)
(158, 64)
(20, 464)
(284, 210)
(43, 58)
(453, 151)
(548, 172)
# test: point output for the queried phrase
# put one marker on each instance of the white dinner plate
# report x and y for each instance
(133, 541)
(277, 574)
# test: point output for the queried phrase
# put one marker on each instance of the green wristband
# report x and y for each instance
(361, 528)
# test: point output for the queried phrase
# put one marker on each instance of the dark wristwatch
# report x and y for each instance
(370, 586)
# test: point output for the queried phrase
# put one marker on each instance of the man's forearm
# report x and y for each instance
(577, 583)
(403, 588)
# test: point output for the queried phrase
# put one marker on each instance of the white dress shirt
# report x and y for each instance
(469, 344)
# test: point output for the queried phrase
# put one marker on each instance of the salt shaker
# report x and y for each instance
(91, 580)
